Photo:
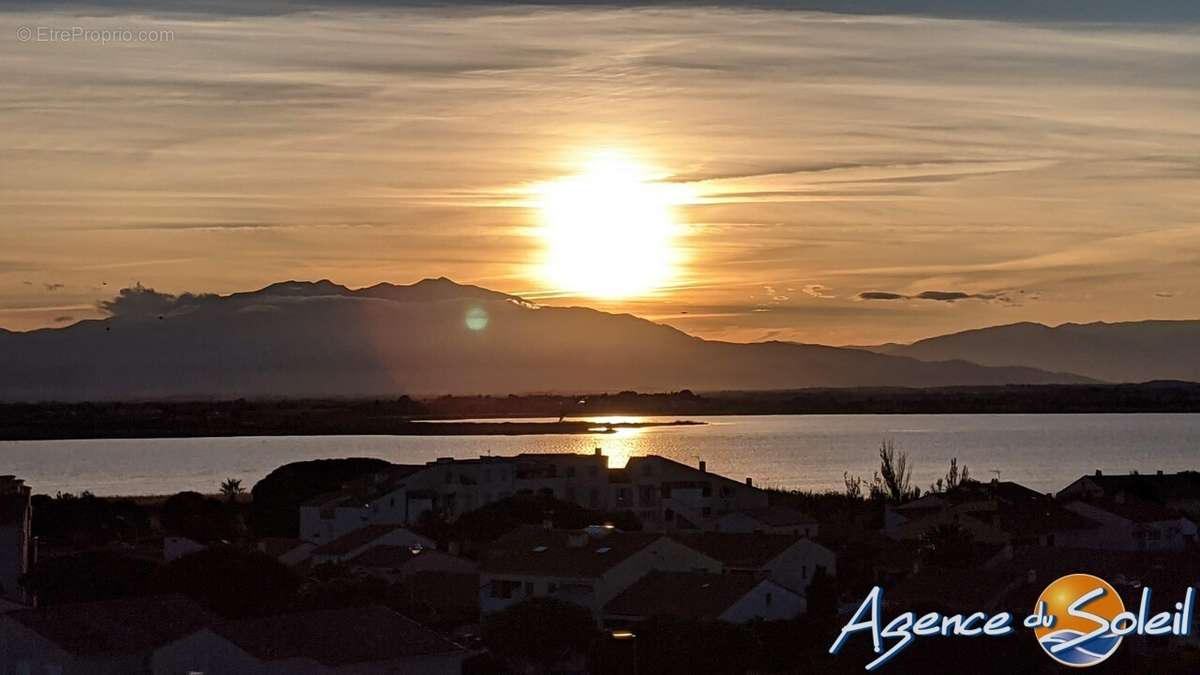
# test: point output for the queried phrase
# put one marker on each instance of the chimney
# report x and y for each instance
(598, 452)
(1099, 473)
(749, 482)
(703, 467)
(1160, 472)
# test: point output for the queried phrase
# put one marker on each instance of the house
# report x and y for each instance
(788, 561)
(1127, 523)
(355, 640)
(16, 543)
(397, 563)
(586, 567)
(333, 514)
(667, 495)
(115, 637)
(996, 513)
(359, 541)
(769, 520)
(1177, 491)
(703, 596)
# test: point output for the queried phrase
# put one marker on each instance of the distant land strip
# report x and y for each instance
(575, 414)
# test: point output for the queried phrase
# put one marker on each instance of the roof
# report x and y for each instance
(693, 595)
(365, 488)
(643, 459)
(335, 637)
(354, 540)
(780, 516)
(1153, 487)
(746, 551)
(115, 626)
(537, 551)
(1134, 509)
(394, 557)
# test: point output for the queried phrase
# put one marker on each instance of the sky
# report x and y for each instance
(857, 179)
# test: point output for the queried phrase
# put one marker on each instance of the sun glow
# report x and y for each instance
(610, 231)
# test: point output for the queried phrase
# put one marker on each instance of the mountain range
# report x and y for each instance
(319, 338)
(1134, 351)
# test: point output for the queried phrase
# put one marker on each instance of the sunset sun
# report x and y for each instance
(610, 231)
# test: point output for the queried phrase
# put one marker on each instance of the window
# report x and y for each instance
(503, 589)
(551, 588)
(570, 472)
(804, 571)
(768, 599)
(528, 588)
(594, 498)
(646, 495)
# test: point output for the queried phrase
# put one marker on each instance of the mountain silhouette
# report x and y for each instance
(1135, 351)
(300, 338)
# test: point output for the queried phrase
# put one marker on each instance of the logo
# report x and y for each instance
(1081, 610)
(1079, 621)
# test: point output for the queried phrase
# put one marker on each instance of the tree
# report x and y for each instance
(231, 582)
(894, 479)
(948, 545)
(85, 577)
(232, 488)
(953, 478)
(537, 634)
(192, 515)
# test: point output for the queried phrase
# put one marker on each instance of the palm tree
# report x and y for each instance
(231, 488)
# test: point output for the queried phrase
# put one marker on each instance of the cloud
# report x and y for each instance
(139, 300)
(54, 287)
(937, 296)
(881, 295)
(1164, 294)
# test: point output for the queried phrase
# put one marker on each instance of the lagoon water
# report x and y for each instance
(1045, 452)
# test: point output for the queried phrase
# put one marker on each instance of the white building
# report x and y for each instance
(664, 494)
(1130, 524)
(16, 547)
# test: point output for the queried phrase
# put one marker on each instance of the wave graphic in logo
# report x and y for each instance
(1082, 607)
(1089, 652)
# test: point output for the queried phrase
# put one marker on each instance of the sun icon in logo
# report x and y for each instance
(1075, 640)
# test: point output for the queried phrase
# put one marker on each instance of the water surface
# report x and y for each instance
(1045, 452)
